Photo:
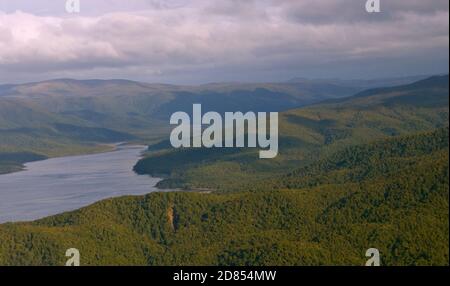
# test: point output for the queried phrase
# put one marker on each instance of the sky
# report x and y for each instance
(202, 41)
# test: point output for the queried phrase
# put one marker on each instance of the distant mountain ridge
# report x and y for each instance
(308, 133)
(434, 87)
(57, 84)
(63, 116)
(367, 170)
(55, 116)
(367, 83)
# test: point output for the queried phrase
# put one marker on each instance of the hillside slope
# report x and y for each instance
(402, 211)
(65, 117)
(308, 134)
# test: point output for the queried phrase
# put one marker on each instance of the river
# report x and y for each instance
(63, 184)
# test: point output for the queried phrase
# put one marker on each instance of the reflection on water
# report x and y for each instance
(62, 184)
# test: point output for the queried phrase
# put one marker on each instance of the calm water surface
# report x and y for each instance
(62, 184)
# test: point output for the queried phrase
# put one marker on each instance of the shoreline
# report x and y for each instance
(146, 188)
(106, 199)
(103, 148)
(112, 147)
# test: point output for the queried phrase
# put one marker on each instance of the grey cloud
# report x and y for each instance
(89, 7)
(225, 40)
(353, 11)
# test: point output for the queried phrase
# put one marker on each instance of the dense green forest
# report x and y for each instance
(396, 201)
(368, 171)
(307, 135)
(69, 117)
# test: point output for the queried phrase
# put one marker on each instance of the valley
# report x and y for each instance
(353, 172)
(67, 183)
(71, 117)
(255, 137)
(307, 220)
(307, 135)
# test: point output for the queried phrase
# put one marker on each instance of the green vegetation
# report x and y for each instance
(68, 117)
(10, 162)
(321, 220)
(367, 171)
(307, 135)
(18, 148)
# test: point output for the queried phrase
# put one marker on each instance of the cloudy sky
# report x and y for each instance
(199, 41)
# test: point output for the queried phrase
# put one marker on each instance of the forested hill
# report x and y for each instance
(329, 214)
(307, 135)
(368, 171)
(369, 161)
(66, 117)
(424, 93)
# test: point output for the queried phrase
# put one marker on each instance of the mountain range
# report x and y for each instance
(369, 170)
(307, 134)
(66, 116)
